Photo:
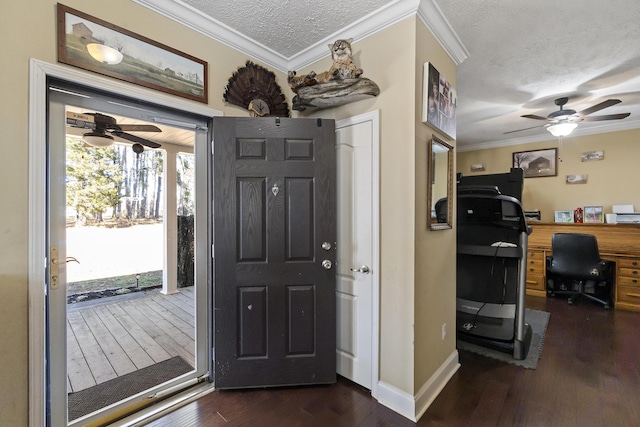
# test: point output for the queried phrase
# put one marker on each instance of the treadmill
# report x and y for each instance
(492, 236)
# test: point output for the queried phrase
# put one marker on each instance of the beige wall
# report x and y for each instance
(435, 280)
(610, 181)
(417, 267)
(393, 73)
(413, 261)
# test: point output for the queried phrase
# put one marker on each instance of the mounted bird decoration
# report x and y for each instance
(254, 87)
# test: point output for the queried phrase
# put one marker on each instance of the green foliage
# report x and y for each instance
(94, 177)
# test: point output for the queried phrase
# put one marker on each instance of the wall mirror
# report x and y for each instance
(440, 185)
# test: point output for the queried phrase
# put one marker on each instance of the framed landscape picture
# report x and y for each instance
(537, 163)
(95, 45)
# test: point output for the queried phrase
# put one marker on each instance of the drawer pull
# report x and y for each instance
(634, 272)
(634, 263)
(633, 295)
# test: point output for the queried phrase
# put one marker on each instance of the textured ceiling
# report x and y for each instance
(286, 26)
(521, 54)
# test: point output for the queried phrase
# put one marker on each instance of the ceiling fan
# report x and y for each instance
(564, 121)
(103, 128)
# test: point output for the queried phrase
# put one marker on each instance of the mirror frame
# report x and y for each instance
(431, 224)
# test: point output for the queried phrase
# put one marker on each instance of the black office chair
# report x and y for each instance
(441, 210)
(575, 269)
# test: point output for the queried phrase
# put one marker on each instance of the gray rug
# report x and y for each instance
(538, 321)
(109, 392)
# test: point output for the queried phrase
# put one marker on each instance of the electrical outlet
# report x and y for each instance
(444, 331)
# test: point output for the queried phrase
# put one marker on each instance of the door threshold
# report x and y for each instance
(166, 406)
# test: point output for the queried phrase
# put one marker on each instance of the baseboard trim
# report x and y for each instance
(397, 400)
(413, 407)
(432, 388)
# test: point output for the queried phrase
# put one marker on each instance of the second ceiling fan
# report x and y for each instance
(563, 121)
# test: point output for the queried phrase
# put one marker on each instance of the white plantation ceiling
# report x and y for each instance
(515, 57)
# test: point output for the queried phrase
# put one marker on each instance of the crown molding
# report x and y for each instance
(366, 26)
(431, 15)
(192, 18)
(388, 15)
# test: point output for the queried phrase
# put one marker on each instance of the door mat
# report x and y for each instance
(538, 321)
(89, 400)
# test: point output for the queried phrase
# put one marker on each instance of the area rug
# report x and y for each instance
(107, 393)
(538, 321)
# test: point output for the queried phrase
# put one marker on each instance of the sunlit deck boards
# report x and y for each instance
(118, 335)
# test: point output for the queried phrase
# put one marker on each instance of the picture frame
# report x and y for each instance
(95, 45)
(439, 100)
(576, 179)
(593, 214)
(588, 156)
(537, 163)
(563, 216)
(478, 167)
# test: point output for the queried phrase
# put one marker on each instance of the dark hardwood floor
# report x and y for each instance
(588, 375)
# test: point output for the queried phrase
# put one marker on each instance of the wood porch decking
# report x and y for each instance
(118, 335)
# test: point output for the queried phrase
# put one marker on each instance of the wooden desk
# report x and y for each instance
(616, 242)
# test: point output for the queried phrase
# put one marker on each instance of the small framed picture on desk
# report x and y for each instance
(563, 216)
(593, 214)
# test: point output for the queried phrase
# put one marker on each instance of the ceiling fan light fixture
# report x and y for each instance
(104, 53)
(98, 140)
(562, 129)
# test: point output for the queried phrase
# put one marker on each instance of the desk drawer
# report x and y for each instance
(632, 263)
(628, 281)
(536, 266)
(535, 281)
(629, 272)
(535, 255)
(628, 294)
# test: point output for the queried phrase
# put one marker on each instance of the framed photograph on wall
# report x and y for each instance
(537, 163)
(439, 100)
(593, 214)
(95, 45)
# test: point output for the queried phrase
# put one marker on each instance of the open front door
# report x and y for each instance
(274, 192)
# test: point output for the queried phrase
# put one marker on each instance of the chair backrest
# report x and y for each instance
(575, 255)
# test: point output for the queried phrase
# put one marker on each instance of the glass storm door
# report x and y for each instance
(121, 331)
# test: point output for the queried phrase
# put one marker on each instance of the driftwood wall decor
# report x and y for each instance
(339, 85)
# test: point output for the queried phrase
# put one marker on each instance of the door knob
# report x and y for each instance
(364, 269)
(327, 264)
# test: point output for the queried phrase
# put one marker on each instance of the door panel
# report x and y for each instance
(355, 233)
(274, 206)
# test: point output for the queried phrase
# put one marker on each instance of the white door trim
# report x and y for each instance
(39, 71)
(374, 118)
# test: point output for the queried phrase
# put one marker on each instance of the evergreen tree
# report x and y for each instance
(94, 176)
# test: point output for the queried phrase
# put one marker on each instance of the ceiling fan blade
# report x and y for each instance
(598, 107)
(137, 128)
(606, 117)
(533, 116)
(520, 130)
(137, 139)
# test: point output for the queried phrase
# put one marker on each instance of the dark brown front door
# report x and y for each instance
(274, 207)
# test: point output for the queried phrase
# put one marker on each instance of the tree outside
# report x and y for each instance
(115, 200)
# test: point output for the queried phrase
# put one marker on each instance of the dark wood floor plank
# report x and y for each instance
(588, 375)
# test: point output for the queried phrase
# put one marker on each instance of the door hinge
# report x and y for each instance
(213, 251)
(213, 151)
